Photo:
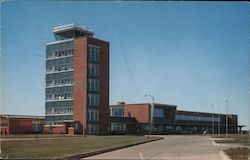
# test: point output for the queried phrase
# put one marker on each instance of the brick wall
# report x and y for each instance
(80, 83)
(141, 112)
(54, 129)
(103, 84)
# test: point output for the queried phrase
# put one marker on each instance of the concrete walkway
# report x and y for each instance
(171, 148)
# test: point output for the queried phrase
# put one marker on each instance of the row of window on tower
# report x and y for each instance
(93, 99)
(61, 110)
(59, 82)
(93, 84)
(64, 53)
(93, 69)
(59, 68)
(59, 96)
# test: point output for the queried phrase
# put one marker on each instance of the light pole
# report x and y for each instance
(219, 121)
(83, 115)
(152, 109)
(212, 118)
(226, 119)
(86, 104)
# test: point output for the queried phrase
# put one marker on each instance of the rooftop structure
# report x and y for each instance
(71, 31)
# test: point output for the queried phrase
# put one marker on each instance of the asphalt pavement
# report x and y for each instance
(183, 147)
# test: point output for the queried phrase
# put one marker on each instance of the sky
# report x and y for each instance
(191, 54)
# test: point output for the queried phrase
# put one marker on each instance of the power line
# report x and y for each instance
(129, 70)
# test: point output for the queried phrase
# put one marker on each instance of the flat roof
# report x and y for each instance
(71, 26)
(203, 112)
(21, 116)
(121, 105)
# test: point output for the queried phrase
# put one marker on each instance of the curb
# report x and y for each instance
(213, 139)
(224, 156)
(216, 144)
(84, 155)
(233, 145)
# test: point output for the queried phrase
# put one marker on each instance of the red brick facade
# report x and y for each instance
(54, 129)
(80, 83)
(20, 124)
(103, 84)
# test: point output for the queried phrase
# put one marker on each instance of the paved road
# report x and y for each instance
(172, 147)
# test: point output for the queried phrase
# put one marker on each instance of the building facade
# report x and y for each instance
(166, 119)
(21, 124)
(77, 82)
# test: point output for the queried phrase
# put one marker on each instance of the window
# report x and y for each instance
(168, 127)
(178, 128)
(93, 53)
(93, 128)
(117, 112)
(49, 111)
(49, 83)
(93, 99)
(93, 85)
(197, 118)
(93, 115)
(118, 127)
(93, 69)
(50, 55)
(159, 113)
(54, 123)
(49, 97)
(49, 69)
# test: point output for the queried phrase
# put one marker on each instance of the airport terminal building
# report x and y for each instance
(77, 95)
(166, 119)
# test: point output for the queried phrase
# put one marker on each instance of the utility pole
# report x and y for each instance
(84, 116)
(152, 110)
(212, 119)
(226, 119)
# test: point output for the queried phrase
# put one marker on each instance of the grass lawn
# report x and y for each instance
(238, 153)
(63, 146)
(237, 138)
